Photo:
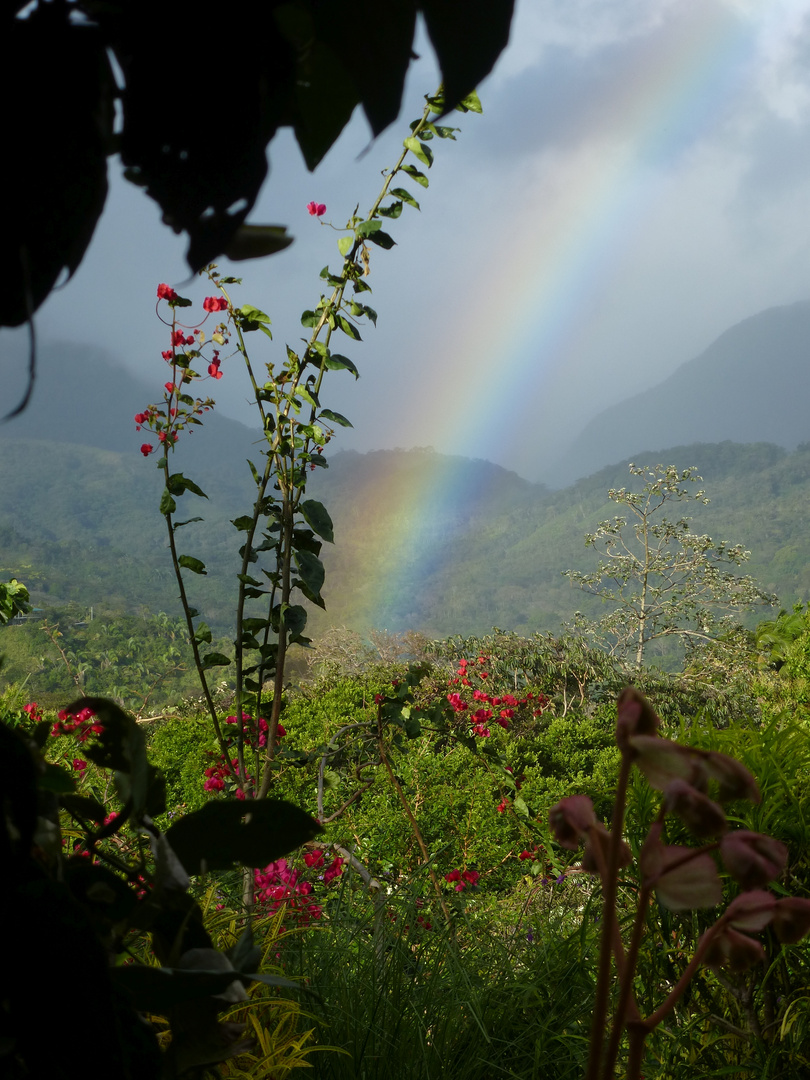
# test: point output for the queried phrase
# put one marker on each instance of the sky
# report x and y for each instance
(639, 181)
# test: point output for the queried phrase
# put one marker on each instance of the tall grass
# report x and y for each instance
(475, 1003)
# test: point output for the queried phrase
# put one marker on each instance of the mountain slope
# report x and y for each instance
(751, 385)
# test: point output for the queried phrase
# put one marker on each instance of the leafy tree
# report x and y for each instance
(663, 580)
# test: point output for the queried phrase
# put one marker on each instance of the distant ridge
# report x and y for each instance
(751, 385)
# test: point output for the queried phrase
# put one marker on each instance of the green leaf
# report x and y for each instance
(367, 228)
(317, 517)
(392, 211)
(214, 659)
(203, 633)
(471, 103)
(416, 175)
(177, 484)
(336, 362)
(335, 417)
(253, 313)
(196, 566)
(243, 523)
(159, 989)
(383, 240)
(256, 241)
(349, 328)
(167, 503)
(345, 244)
(82, 806)
(310, 570)
(307, 395)
(421, 150)
(310, 318)
(251, 832)
(189, 521)
(405, 196)
(295, 618)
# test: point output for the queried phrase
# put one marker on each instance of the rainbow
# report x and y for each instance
(548, 274)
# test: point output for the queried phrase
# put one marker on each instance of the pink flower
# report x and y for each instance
(313, 858)
(165, 292)
(316, 209)
(216, 303)
(79, 765)
(146, 449)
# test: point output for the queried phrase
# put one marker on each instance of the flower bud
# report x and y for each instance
(570, 820)
(662, 761)
(736, 782)
(682, 877)
(751, 858)
(697, 811)
(791, 919)
(634, 716)
(734, 950)
(597, 849)
(751, 911)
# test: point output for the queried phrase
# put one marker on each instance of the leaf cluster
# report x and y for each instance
(113, 888)
(301, 64)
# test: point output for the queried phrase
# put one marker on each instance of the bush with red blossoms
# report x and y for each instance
(462, 879)
(474, 706)
(281, 885)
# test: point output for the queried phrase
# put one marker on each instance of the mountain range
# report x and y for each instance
(423, 540)
(751, 385)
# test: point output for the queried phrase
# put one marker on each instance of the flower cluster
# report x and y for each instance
(280, 884)
(178, 409)
(461, 879)
(486, 708)
(34, 711)
(223, 770)
(81, 724)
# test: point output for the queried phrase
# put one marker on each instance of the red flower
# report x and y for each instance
(165, 292)
(316, 209)
(216, 303)
(213, 370)
(146, 449)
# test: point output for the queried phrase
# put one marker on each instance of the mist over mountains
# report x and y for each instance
(423, 540)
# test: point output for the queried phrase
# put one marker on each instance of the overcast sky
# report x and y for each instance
(639, 182)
